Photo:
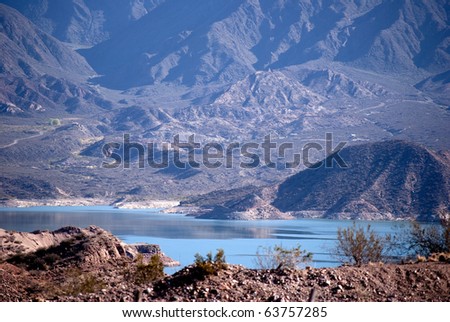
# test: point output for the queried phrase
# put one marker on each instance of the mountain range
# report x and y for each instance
(79, 74)
(223, 41)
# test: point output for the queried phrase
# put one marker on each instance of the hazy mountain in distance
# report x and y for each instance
(37, 71)
(199, 42)
(83, 22)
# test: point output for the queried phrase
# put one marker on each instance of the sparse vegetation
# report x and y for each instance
(210, 265)
(39, 260)
(358, 245)
(278, 257)
(146, 273)
(423, 240)
(79, 282)
(55, 122)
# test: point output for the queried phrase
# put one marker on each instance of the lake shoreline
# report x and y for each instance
(80, 202)
(170, 206)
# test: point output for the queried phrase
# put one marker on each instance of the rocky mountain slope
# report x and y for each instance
(386, 180)
(375, 282)
(437, 86)
(27, 50)
(224, 71)
(396, 178)
(38, 72)
(225, 40)
(83, 22)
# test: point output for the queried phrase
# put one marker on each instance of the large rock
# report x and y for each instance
(92, 245)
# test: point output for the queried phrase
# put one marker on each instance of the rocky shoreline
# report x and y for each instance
(73, 264)
(99, 245)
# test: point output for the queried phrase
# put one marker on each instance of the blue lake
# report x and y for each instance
(180, 237)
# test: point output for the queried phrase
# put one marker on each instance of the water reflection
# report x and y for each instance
(181, 237)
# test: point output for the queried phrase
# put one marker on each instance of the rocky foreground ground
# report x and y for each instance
(93, 265)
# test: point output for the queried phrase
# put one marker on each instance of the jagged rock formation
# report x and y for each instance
(268, 90)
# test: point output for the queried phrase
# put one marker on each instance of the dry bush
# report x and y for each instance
(427, 240)
(278, 257)
(77, 281)
(358, 245)
(210, 265)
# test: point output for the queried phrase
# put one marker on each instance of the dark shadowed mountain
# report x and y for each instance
(222, 41)
(437, 86)
(385, 180)
(27, 51)
(39, 72)
(83, 22)
(391, 178)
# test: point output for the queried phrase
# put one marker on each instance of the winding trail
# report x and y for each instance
(22, 139)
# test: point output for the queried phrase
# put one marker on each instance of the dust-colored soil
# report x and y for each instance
(378, 282)
(409, 282)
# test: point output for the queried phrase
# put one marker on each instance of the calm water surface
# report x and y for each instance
(180, 237)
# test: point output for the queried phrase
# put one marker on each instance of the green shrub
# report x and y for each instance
(278, 257)
(55, 122)
(77, 282)
(359, 245)
(210, 265)
(146, 273)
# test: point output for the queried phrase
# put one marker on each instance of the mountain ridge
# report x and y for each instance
(410, 37)
(82, 22)
(383, 180)
(38, 72)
